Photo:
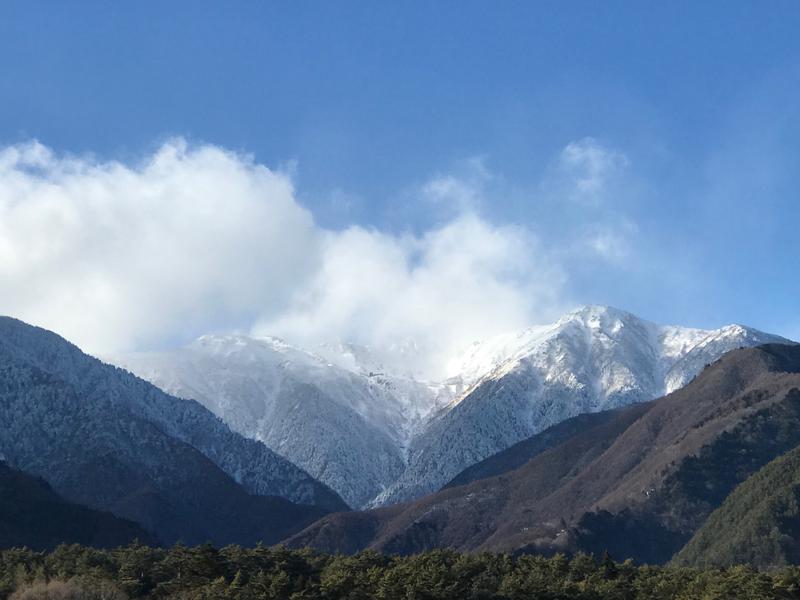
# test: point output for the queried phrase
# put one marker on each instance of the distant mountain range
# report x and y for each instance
(347, 427)
(547, 440)
(110, 441)
(640, 481)
(377, 435)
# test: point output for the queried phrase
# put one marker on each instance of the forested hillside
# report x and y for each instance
(637, 482)
(758, 524)
(33, 515)
(107, 440)
(262, 573)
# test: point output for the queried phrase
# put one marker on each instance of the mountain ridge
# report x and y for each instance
(105, 439)
(33, 515)
(592, 359)
(638, 482)
(380, 438)
(183, 419)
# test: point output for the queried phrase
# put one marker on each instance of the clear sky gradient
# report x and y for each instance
(682, 118)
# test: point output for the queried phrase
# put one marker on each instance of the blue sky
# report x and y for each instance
(686, 115)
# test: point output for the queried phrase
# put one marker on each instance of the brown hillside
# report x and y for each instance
(638, 483)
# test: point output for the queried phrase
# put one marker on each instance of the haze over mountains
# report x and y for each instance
(377, 434)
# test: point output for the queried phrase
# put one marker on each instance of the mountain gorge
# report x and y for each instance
(378, 435)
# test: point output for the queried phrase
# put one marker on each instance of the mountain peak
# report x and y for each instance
(500, 390)
(599, 310)
(599, 316)
(736, 329)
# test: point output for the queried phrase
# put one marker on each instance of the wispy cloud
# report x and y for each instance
(612, 243)
(586, 168)
(459, 191)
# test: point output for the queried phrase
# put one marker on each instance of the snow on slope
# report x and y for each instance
(53, 382)
(377, 435)
(592, 359)
(348, 428)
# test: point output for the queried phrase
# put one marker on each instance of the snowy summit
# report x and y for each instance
(377, 435)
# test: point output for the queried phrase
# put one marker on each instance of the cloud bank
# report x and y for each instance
(440, 291)
(192, 239)
(116, 257)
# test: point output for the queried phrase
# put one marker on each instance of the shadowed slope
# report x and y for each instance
(34, 516)
(520, 453)
(103, 438)
(637, 482)
(758, 524)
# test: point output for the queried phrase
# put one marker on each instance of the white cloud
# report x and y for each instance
(588, 167)
(196, 238)
(116, 257)
(461, 191)
(611, 242)
(589, 192)
(608, 245)
(464, 281)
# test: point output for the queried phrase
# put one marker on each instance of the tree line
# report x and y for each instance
(267, 573)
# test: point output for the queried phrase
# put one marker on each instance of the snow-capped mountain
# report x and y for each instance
(377, 435)
(100, 387)
(349, 427)
(592, 359)
(104, 438)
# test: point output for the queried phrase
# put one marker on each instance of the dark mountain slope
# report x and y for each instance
(758, 524)
(639, 483)
(33, 515)
(103, 438)
(517, 455)
(464, 517)
(250, 463)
